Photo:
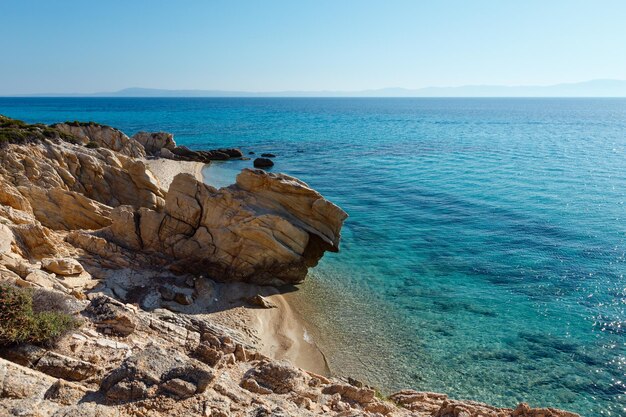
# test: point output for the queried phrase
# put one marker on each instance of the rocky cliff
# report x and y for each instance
(89, 231)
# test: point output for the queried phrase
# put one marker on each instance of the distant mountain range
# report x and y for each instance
(593, 88)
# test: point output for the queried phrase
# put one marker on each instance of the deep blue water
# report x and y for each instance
(485, 251)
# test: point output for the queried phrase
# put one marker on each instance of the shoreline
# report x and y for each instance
(281, 332)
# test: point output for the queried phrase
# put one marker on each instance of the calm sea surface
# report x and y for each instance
(485, 251)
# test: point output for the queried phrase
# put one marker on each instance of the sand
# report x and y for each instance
(284, 335)
(166, 169)
(279, 333)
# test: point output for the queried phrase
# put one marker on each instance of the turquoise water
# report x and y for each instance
(484, 253)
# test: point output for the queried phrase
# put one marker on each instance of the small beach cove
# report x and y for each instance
(281, 332)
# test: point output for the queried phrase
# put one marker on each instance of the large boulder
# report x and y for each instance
(266, 228)
(155, 141)
(263, 163)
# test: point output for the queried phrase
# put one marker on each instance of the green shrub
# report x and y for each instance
(92, 145)
(20, 323)
(20, 133)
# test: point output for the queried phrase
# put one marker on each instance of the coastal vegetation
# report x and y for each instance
(33, 316)
(19, 132)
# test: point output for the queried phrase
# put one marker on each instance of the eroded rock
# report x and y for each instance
(110, 316)
(62, 266)
(267, 228)
(140, 375)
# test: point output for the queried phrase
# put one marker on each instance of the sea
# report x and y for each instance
(484, 256)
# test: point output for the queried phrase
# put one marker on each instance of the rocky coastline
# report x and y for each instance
(174, 286)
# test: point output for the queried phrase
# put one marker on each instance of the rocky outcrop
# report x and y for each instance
(68, 186)
(266, 228)
(154, 142)
(102, 136)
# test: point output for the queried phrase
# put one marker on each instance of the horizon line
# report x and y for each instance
(595, 88)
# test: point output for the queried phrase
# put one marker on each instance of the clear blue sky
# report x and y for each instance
(88, 46)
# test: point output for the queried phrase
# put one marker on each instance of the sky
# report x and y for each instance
(67, 46)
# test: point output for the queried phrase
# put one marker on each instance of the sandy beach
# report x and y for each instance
(279, 333)
(166, 169)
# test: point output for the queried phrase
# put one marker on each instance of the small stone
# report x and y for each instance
(79, 337)
(64, 392)
(166, 293)
(184, 299)
(260, 301)
(179, 388)
(253, 386)
(268, 155)
(111, 344)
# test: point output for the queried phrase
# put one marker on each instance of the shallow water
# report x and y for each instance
(484, 253)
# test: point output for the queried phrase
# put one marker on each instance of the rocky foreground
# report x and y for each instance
(83, 221)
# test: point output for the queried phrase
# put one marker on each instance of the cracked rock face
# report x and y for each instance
(70, 187)
(266, 228)
(104, 136)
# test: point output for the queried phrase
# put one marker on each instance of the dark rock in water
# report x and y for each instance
(185, 152)
(206, 156)
(263, 163)
(214, 155)
(232, 152)
(250, 153)
(268, 155)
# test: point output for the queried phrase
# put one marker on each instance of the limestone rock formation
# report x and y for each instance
(266, 228)
(68, 186)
